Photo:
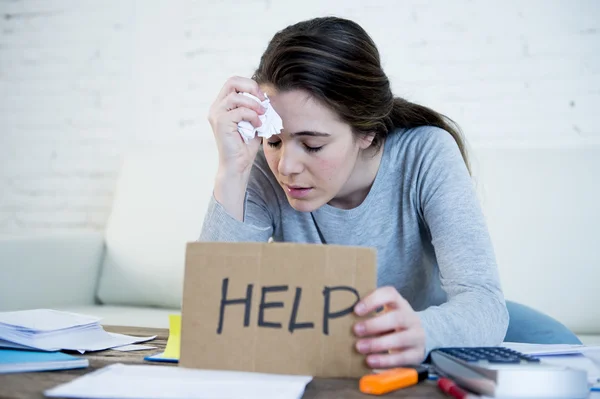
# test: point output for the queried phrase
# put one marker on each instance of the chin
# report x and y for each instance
(302, 205)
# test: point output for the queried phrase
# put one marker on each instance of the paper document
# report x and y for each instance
(134, 347)
(44, 320)
(164, 382)
(50, 330)
(549, 349)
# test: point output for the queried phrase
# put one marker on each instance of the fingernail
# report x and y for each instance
(263, 109)
(359, 309)
(359, 328)
(362, 346)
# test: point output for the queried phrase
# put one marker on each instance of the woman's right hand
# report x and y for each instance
(229, 108)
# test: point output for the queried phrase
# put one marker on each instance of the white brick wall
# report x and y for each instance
(82, 81)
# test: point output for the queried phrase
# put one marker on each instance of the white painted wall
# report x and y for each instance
(83, 82)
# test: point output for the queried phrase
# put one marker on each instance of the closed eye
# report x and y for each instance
(312, 149)
(276, 144)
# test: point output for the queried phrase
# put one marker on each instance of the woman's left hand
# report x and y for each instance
(393, 337)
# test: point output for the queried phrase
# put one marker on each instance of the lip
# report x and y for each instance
(297, 191)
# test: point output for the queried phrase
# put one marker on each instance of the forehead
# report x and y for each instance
(302, 112)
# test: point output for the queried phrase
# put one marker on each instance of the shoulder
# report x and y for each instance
(423, 147)
(422, 138)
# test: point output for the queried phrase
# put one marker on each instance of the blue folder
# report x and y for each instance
(20, 361)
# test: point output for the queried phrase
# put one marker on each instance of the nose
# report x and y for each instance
(290, 163)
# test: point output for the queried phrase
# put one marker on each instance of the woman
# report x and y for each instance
(355, 165)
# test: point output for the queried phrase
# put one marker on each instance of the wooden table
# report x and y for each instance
(32, 385)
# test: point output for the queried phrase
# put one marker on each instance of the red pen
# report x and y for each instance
(449, 387)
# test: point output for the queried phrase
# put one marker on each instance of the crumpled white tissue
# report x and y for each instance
(271, 122)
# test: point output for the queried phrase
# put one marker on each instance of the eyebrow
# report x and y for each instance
(310, 133)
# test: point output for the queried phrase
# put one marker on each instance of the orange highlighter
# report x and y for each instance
(392, 379)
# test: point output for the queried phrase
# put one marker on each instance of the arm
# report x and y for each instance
(475, 312)
(258, 212)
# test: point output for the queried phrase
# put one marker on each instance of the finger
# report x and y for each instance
(412, 356)
(240, 84)
(396, 340)
(236, 100)
(389, 321)
(384, 296)
(245, 114)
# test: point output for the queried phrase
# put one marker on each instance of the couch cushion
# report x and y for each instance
(542, 212)
(130, 316)
(590, 340)
(47, 270)
(159, 205)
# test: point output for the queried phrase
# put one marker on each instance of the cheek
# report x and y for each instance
(331, 168)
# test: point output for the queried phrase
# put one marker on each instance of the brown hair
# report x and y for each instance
(337, 62)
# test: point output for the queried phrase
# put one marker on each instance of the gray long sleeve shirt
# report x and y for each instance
(423, 217)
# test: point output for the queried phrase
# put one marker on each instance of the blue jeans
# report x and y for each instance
(531, 326)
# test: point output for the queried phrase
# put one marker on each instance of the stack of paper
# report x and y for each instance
(164, 382)
(50, 330)
(549, 349)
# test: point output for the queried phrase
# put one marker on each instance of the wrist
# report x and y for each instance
(233, 175)
(230, 191)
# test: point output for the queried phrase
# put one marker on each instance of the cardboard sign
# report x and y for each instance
(274, 307)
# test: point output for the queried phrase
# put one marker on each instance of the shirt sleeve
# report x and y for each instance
(475, 312)
(259, 213)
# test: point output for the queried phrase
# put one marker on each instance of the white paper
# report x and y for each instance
(12, 345)
(548, 350)
(51, 330)
(271, 122)
(44, 320)
(128, 348)
(164, 382)
(103, 341)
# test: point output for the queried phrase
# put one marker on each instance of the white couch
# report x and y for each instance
(540, 204)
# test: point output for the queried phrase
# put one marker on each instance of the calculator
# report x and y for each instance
(500, 372)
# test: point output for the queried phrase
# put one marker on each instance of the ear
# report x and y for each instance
(366, 140)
